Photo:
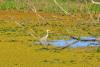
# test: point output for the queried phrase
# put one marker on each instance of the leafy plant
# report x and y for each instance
(98, 49)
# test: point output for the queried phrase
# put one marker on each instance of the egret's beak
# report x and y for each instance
(50, 31)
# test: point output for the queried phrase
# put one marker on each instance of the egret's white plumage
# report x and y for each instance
(43, 40)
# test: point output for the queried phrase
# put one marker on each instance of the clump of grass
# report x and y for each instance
(45, 61)
(95, 8)
(72, 61)
(13, 40)
(0, 40)
(98, 49)
(10, 4)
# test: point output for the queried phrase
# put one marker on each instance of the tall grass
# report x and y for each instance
(72, 6)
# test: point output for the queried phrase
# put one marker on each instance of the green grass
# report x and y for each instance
(49, 6)
(11, 4)
(98, 49)
(95, 8)
(8, 4)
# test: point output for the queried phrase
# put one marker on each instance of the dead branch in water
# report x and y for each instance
(67, 45)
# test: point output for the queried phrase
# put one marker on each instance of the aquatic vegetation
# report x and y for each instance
(98, 49)
(18, 47)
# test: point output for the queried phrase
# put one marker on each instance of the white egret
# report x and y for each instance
(44, 40)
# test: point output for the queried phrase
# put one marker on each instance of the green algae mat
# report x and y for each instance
(17, 48)
(19, 54)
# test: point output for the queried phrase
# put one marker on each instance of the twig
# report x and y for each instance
(98, 3)
(98, 18)
(91, 17)
(30, 30)
(60, 7)
(67, 45)
(33, 8)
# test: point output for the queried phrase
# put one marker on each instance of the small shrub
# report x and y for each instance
(98, 49)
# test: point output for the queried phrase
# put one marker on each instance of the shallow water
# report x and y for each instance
(85, 43)
(61, 43)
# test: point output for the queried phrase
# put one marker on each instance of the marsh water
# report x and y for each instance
(75, 43)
